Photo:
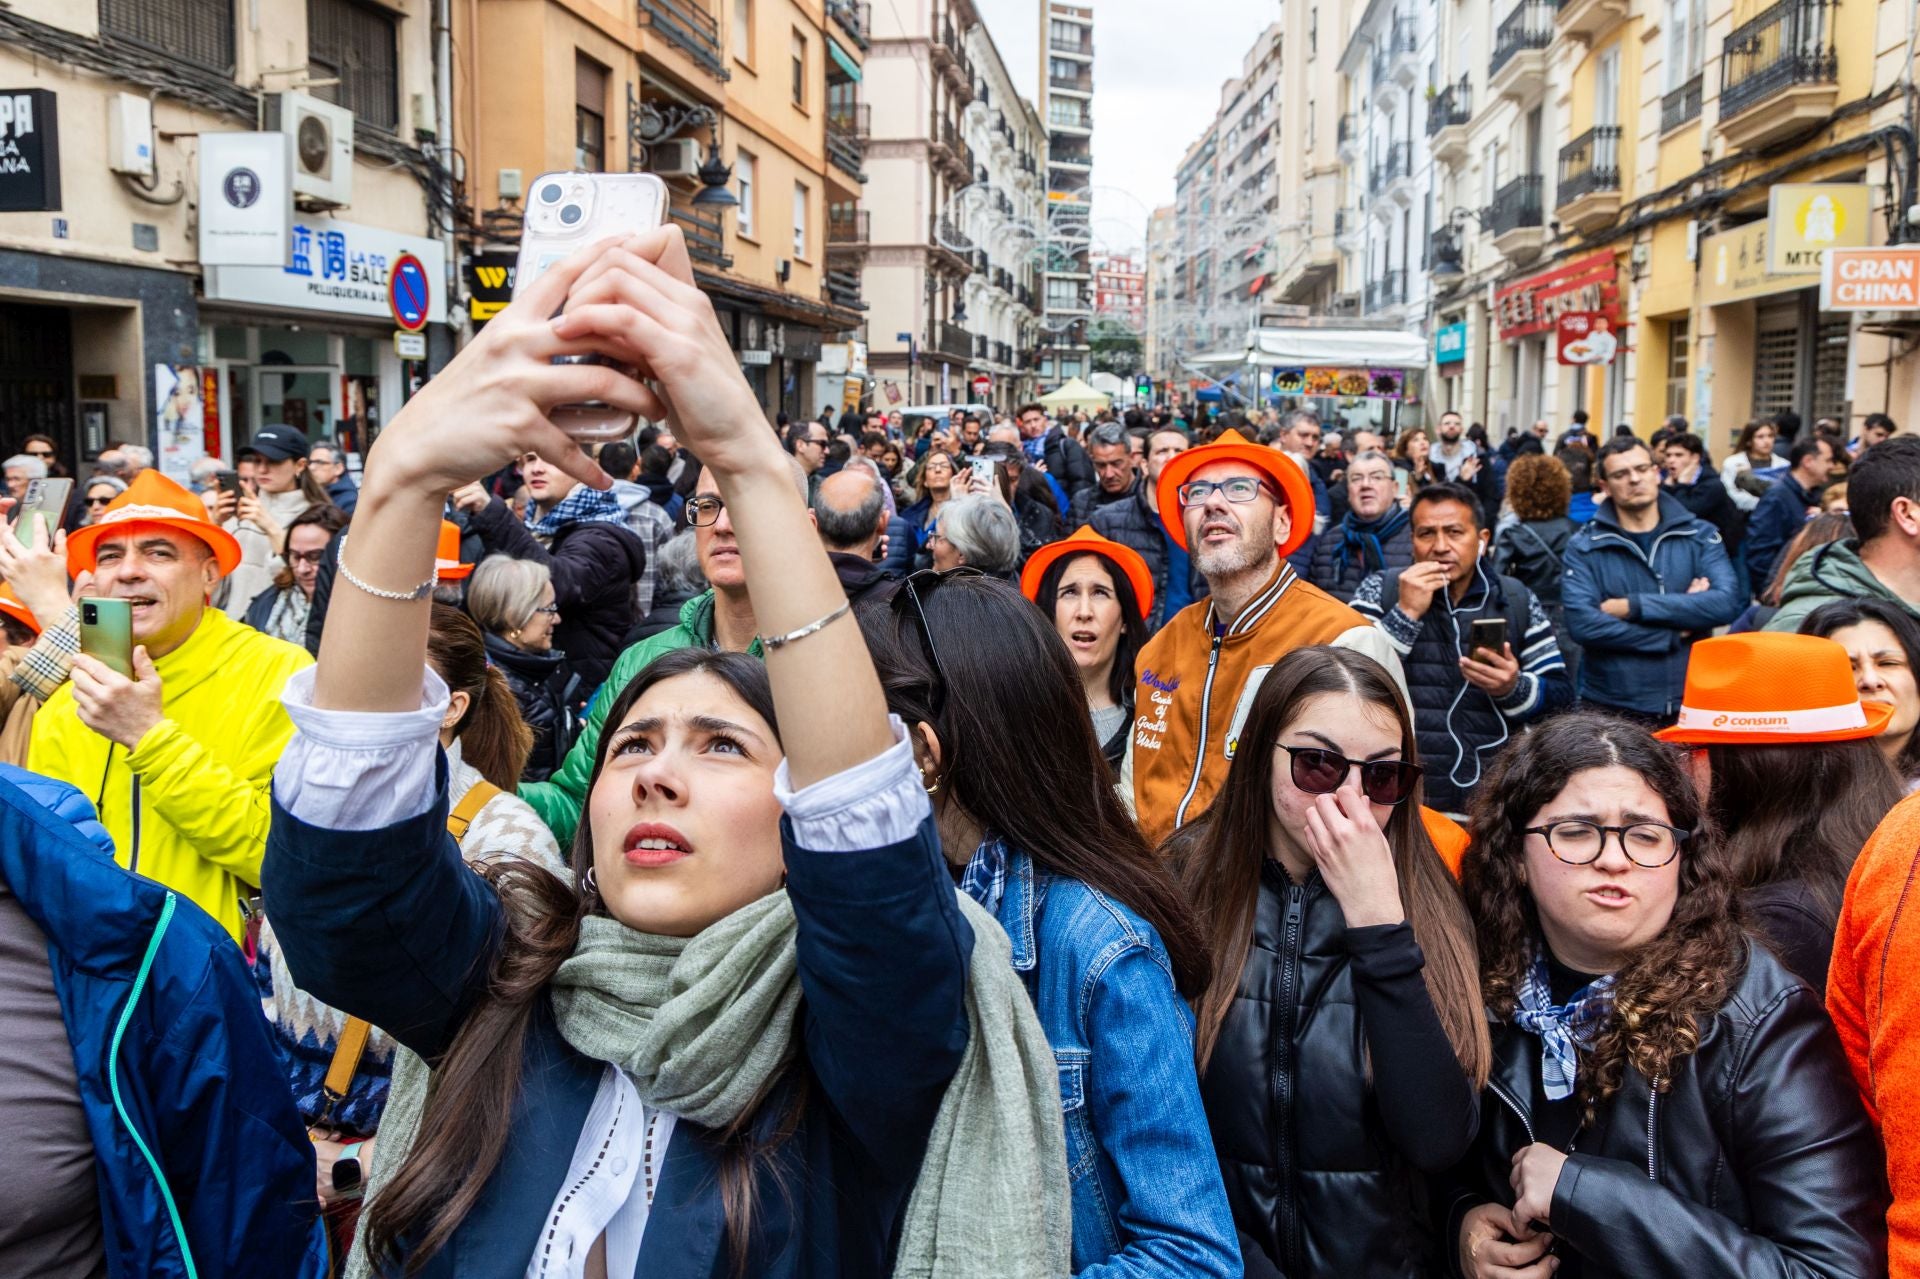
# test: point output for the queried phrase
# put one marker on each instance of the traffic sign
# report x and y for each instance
(409, 293)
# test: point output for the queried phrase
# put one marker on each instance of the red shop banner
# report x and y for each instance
(1535, 304)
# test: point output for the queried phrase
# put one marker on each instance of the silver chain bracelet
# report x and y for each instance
(772, 642)
(419, 592)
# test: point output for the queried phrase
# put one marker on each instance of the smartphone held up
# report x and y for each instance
(46, 499)
(564, 212)
(106, 632)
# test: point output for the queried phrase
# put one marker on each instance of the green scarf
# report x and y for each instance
(703, 1024)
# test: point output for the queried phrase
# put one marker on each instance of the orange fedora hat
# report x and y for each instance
(1296, 490)
(152, 498)
(1085, 541)
(10, 605)
(446, 557)
(1764, 688)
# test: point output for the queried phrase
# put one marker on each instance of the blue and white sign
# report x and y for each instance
(339, 268)
(1450, 343)
(246, 200)
(409, 293)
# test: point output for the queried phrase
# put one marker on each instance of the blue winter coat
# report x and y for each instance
(1782, 513)
(202, 1163)
(392, 926)
(1639, 663)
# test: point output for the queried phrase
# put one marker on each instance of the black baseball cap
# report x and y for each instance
(277, 443)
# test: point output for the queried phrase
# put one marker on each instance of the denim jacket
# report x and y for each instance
(1147, 1194)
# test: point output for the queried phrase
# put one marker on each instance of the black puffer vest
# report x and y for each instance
(1457, 725)
(1310, 1174)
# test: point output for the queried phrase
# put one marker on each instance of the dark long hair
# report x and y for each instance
(493, 736)
(1218, 855)
(1799, 810)
(1133, 623)
(463, 1131)
(1018, 751)
(1842, 613)
(323, 515)
(1674, 982)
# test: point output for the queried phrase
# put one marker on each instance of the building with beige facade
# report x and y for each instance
(114, 327)
(1066, 101)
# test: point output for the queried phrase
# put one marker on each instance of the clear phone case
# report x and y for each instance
(564, 212)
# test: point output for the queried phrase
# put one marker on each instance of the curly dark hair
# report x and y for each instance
(1539, 487)
(1675, 982)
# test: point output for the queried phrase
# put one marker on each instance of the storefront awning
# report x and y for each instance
(1279, 348)
(841, 56)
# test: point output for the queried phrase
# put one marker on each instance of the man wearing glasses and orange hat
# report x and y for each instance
(1239, 510)
(180, 757)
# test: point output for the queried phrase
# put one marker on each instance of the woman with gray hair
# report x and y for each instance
(513, 602)
(978, 531)
(96, 494)
(20, 470)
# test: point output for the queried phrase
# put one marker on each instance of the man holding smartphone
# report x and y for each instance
(1478, 648)
(180, 756)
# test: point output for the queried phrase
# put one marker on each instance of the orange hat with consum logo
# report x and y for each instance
(1296, 490)
(10, 605)
(446, 557)
(153, 499)
(1764, 688)
(1086, 541)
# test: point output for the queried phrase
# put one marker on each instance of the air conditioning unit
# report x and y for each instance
(679, 158)
(320, 140)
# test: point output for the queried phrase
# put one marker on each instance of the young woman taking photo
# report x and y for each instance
(1034, 831)
(1342, 1041)
(1666, 1098)
(835, 1077)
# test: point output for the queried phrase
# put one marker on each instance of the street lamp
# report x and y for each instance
(651, 123)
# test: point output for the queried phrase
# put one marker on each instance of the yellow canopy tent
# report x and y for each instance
(1075, 394)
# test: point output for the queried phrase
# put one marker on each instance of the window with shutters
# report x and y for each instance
(589, 114)
(1678, 367)
(195, 31)
(359, 46)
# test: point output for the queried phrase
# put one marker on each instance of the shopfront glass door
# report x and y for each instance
(295, 396)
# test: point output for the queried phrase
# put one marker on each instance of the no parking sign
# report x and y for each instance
(409, 293)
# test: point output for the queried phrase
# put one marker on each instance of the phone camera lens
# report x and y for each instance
(92, 615)
(551, 193)
(571, 214)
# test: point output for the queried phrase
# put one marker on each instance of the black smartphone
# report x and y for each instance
(229, 482)
(1489, 633)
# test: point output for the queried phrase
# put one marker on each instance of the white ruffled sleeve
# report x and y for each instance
(359, 770)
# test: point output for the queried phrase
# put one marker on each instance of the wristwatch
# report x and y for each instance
(347, 1178)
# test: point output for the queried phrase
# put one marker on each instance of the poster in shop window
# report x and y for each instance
(1586, 337)
(180, 425)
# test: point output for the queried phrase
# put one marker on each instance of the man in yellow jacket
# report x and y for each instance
(179, 759)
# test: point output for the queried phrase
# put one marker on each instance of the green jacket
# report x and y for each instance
(1825, 574)
(559, 799)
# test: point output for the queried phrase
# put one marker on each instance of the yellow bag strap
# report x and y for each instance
(353, 1037)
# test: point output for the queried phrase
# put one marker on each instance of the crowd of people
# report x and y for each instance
(1134, 845)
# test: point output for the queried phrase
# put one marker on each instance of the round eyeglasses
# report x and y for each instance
(1579, 843)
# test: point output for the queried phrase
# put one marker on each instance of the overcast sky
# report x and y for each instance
(1157, 70)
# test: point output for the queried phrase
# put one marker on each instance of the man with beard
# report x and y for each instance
(1239, 510)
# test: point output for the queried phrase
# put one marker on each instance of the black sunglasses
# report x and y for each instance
(913, 592)
(1320, 772)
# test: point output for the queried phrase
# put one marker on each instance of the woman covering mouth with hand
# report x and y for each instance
(760, 1006)
(1665, 1097)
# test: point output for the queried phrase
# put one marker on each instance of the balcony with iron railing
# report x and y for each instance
(1516, 218)
(1081, 81)
(688, 26)
(952, 341)
(848, 126)
(849, 228)
(1392, 164)
(705, 236)
(1779, 73)
(1680, 106)
(1389, 288)
(855, 17)
(1080, 47)
(1588, 192)
(1395, 49)
(1518, 66)
(1448, 113)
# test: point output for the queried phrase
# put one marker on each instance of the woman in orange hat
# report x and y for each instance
(1097, 593)
(1791, 775)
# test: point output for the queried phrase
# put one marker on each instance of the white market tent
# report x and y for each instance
(1075, 394)
(1284, 348)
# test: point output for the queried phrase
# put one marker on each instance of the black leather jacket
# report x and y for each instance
(1757, 1160)
(1324, 1128)
(545, 687)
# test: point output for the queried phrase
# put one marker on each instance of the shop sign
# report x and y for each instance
(335, 267)
(409, 346)
(246, 199)
(760, 358)
(1378, 384)
(1450, 343)
(1535, 304)
(29, 150)
(1586, 337)
(490, 278)
(1733, 267)
(1886, 279)
(1805, 219)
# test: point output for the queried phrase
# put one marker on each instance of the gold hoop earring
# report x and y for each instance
(933, 788)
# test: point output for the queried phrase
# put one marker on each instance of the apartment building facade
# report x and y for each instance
(1066, 104)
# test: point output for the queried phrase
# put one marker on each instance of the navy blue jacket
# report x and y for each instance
(1639, 663)
(198, 1150)
(391, 926)
(1781, 514)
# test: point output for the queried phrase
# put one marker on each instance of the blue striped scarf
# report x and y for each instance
(1563, 1029)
